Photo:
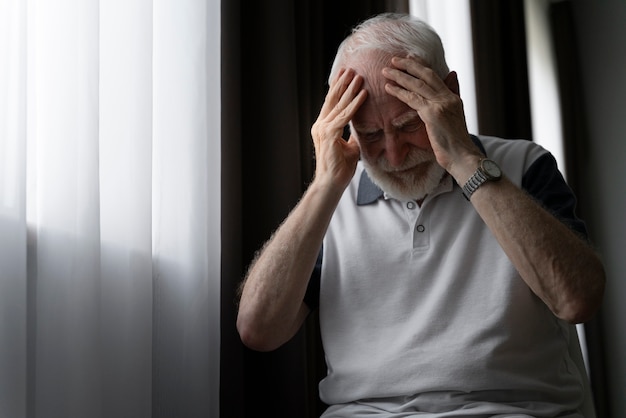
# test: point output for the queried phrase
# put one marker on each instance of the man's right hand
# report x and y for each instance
(336, 158)
(271, 308)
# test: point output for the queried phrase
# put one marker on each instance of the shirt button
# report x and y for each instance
(420, 228)
(410, 205)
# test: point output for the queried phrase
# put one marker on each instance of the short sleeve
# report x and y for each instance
(545, 183)
(312, 295)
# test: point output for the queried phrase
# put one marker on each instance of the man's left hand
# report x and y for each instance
(439, 106)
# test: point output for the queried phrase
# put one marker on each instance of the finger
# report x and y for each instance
(409, 82)
(337, 112)
(418, 68)
(349, 103)
(352, 149)
(331, 126)
(413, 74)
(337, 89)
(411, 98)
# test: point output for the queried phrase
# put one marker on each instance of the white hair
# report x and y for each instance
(393, 34)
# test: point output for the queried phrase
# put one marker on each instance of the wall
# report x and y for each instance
(601, 34)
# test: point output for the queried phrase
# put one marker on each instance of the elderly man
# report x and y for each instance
(448, 268)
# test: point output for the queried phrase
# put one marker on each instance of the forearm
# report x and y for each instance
(560, 268)
(271, 308)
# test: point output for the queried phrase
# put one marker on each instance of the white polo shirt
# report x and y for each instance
(422, 300)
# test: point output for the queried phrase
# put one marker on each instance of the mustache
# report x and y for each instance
(414, 158)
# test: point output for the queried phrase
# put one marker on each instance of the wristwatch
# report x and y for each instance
(487, 170)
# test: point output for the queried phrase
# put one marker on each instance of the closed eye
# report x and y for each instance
(411, 127)
(370, 136)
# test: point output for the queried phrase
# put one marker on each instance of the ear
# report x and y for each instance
(452, 81)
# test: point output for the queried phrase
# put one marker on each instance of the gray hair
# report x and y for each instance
(393, 34)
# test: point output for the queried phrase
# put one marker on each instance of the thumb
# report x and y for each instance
(353, 151)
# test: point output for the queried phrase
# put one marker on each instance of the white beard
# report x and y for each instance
(419, 175)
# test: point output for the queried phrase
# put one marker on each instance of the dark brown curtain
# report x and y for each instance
(499, 39)
(576, 149)
(504, 110)
(275, 62)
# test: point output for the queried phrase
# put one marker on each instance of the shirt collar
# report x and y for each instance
(370, 192)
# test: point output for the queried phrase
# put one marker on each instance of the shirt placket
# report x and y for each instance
(417, 221)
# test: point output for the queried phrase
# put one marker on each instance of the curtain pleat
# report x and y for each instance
(64, 214)
(13, 271)
(186, 158)
(109, 216)
(500, 68)
(577, 148)
(126, 135)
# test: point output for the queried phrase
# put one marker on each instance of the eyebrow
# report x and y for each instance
(365, 129)
(407, 117)
(399, 122)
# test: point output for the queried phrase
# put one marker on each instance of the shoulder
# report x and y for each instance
(535, 170)
(518, 153)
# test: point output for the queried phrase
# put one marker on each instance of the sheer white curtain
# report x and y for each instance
(109, 208)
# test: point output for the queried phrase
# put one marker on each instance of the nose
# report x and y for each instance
(395, 149)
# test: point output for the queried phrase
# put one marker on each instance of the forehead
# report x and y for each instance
(369, 64)
(380, 114)
(380, 108)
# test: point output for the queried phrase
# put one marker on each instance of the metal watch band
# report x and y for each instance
(487, 170)
(474, 183)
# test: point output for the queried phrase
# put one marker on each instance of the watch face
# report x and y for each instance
(491, 169)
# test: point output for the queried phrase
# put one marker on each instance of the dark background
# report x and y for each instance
(276, 58)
